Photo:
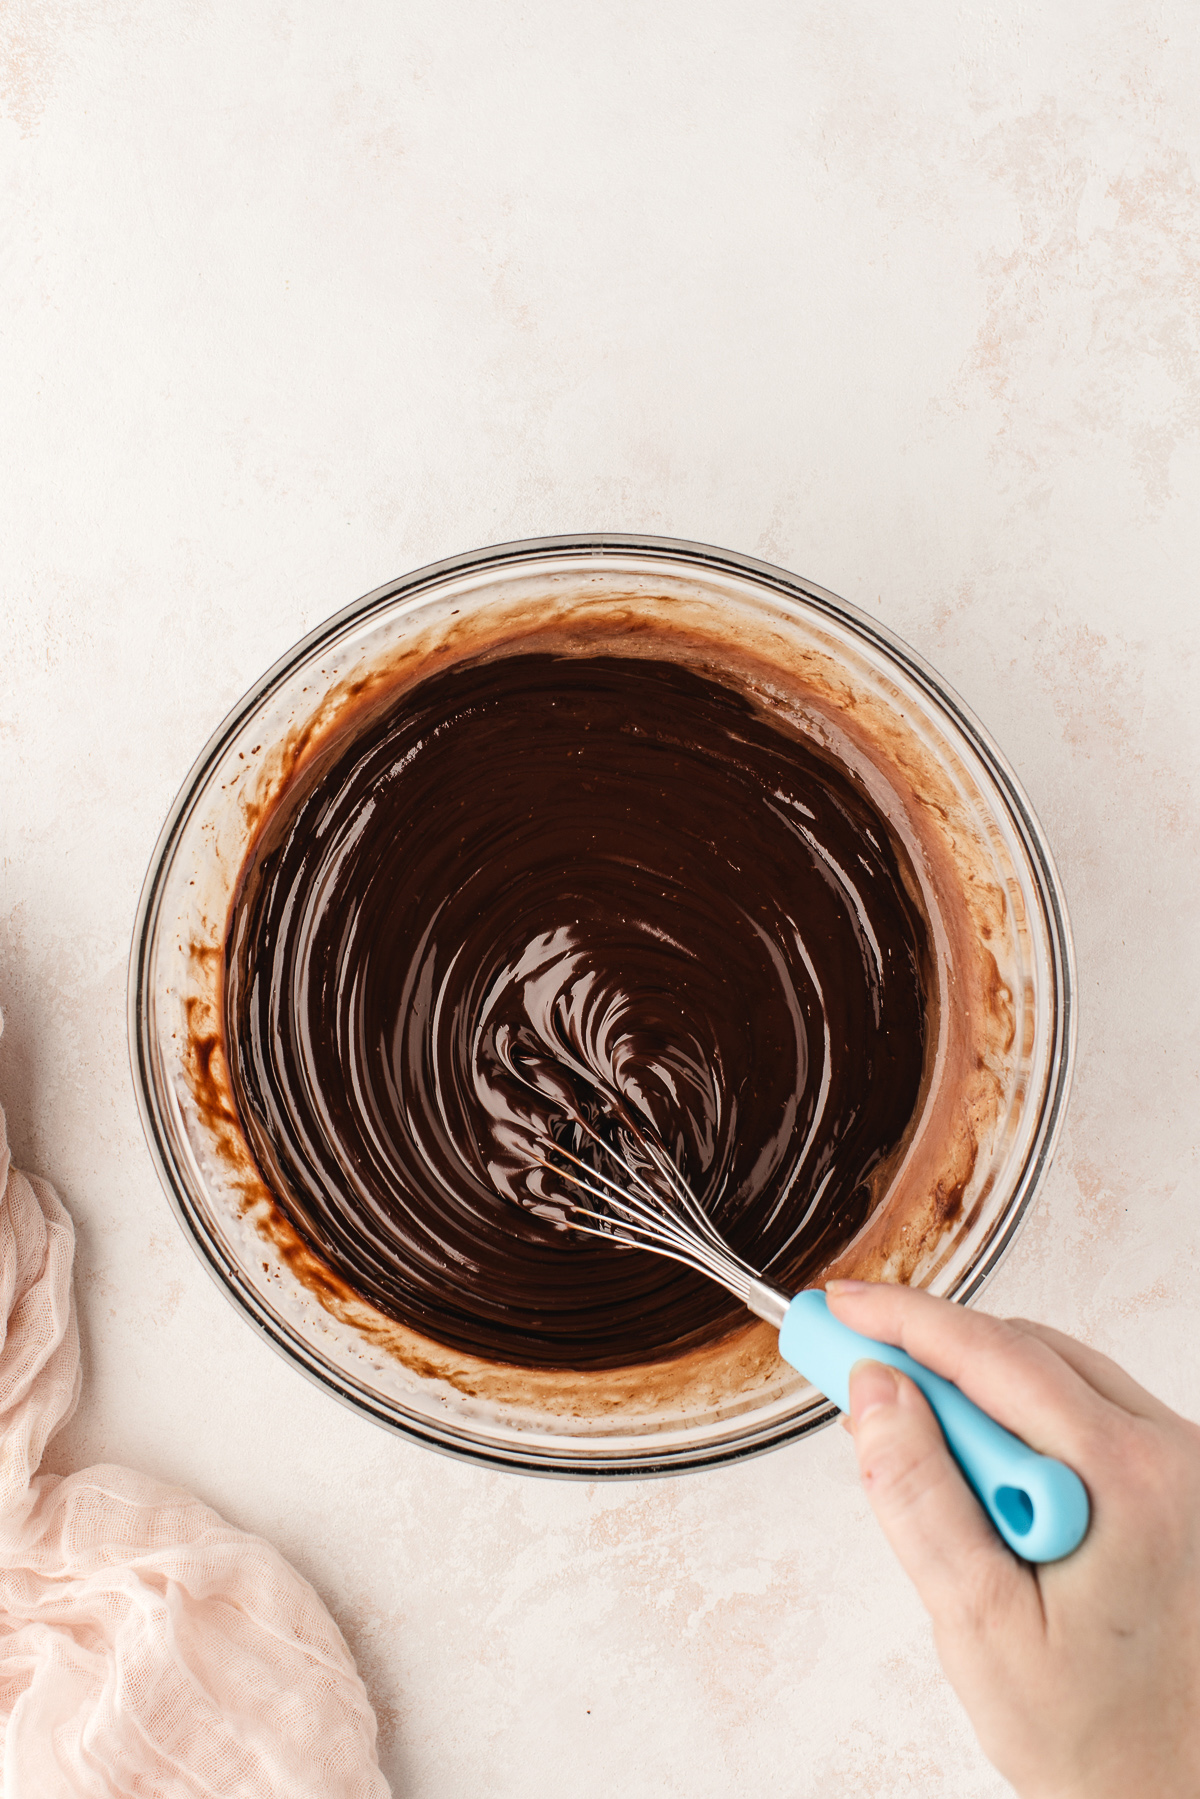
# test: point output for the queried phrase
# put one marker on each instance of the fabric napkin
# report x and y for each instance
(147, 1648)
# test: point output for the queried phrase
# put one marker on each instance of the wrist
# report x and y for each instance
(1129, 1780)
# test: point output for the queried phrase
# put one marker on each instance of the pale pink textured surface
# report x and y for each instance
(148, 1649)
(300, 297)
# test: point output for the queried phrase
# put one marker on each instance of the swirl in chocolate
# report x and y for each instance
(539, 876)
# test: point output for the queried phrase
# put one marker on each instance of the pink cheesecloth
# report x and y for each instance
(147, 1648)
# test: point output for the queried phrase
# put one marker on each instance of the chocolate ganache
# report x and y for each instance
(536, 876)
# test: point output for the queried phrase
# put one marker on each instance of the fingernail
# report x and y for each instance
(838, 1287)
(872, 1384)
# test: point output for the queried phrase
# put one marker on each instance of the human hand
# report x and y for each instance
(1081, 1677)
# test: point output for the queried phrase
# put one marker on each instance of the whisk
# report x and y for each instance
(625, 1187)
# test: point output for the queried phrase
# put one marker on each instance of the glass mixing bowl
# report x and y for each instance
(996, 1082)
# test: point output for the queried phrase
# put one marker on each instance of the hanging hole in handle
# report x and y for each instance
(1016, 1508)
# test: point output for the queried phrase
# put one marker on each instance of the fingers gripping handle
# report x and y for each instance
(1039, 1506)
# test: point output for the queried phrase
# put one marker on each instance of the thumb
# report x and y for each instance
(940, 1533)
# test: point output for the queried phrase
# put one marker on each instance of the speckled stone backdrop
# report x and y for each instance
(299, 296)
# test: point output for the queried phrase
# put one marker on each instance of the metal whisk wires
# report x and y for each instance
(662, 1215)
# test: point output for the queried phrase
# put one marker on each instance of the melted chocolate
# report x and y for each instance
(536, 875)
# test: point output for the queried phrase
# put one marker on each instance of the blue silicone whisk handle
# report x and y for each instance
(1039, 1506)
